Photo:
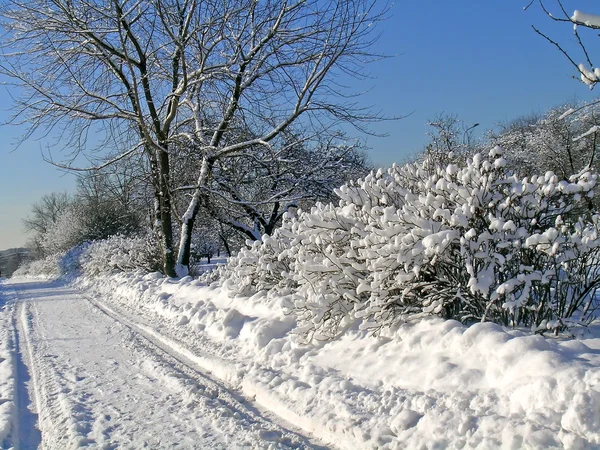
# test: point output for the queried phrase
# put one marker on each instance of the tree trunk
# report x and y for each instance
(166, 225)
(225, 244)
(188, 219)
(185, 243)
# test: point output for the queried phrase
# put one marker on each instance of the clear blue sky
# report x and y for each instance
(478, 59)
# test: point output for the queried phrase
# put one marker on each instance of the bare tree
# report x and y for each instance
(154, 73)
(46, 212)
(250, 192)
(451, 140)
(562, 143)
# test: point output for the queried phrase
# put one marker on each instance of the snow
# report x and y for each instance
(592, 130)
(325, 333)
(590, 20)
(417, 240)
(102, 382)
(589, 77)
(127, 359)
(566, 114)
(429, 383)
(7, 371)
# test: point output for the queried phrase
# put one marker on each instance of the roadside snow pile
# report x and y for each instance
(430, 383)
(472, 243)
(7, 373)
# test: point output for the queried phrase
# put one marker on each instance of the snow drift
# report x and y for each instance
(431, 383)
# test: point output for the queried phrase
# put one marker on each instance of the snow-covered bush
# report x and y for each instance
(474, 243)
(54, 265)
(65, 233)
(263, 265)
(70, 261)
(115, 254)
(47, 267)
(329, 267)
(121, 254)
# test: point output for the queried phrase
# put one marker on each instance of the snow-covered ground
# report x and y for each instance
(429, 384)
(139, 360)
(99, 383)
(7, 369)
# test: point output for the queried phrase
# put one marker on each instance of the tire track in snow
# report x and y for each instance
(27, 401)
(100, 383)
(203, 366)
(47, 397)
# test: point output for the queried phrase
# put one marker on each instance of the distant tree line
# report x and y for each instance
(564, 140)
(11, 259)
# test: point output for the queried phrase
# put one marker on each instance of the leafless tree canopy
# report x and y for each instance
(45, 213)
(155, 75)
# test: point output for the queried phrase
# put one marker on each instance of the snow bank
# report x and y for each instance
(427, 384)
(7, 372)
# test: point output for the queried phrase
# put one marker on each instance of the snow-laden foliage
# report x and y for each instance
(473, 242)
(71, 261)
(114, 254)
(82, 221)
(121, 254)
(264, 265)
(46, 267)
(54, 265)
(562, 140)
(65, 233)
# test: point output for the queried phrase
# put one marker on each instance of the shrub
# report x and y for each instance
(115, 254)
(69, 262)
(65, 233)
(263, 265)
(121, 254)
(474, 243)
(47, 267)
(477, 244)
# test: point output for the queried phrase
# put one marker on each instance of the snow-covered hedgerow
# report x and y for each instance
(47, 267)
(120, 254)
(264, 265)
(115, 254)
(474, 243)
(54, 265)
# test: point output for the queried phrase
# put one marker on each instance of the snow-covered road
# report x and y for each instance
(139, 360)
(95, 381)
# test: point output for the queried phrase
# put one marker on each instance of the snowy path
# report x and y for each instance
(99, 383)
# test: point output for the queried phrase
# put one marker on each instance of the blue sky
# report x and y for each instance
(478, 59)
